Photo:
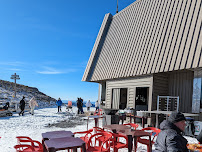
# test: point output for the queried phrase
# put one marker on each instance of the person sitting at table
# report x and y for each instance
(170, 138)
(199, 137)
(6, 106)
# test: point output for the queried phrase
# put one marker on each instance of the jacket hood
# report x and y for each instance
(169, 125)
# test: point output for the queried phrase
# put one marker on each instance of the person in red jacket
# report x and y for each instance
(69, 105)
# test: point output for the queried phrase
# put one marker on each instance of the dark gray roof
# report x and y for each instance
(149, 36)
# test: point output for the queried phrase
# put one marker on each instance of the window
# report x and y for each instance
(197, 92)
(119, 98)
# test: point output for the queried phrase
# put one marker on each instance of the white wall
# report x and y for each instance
(131, 85)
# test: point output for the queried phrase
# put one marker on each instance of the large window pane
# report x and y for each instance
(196, 95)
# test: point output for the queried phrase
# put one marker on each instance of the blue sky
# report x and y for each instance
(48, 43)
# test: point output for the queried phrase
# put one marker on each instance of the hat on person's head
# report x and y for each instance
(176, 117)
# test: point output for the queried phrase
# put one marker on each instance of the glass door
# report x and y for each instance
(197, 92)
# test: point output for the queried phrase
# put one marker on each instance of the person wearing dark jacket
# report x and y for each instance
(22, 106)
(6, 106)
(199, 137)
(170, 138)
(79, 105)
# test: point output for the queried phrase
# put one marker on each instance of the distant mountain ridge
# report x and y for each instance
(7, 92)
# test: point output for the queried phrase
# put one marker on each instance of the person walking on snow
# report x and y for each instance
(32, 104)
(59, 104)
(22, 106)
(88, 105)
(80, 105)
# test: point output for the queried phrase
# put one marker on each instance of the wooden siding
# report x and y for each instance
(160, 87)
(181, 84)
(131, 85)
(147, 37)
(178, 83)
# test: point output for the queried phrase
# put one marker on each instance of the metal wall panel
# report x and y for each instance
(181, 84)
(172, 35)
(177, 83)
(196, 36)
(97, 46)
(171, 19)
(160, 87)
(147, 37)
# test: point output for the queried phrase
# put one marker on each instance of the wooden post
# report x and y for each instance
(15, 77)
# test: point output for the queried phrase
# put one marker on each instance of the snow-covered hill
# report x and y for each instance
(7, 94)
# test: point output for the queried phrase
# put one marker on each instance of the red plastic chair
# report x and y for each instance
(101, 138)
(24, 140)
(154, 133)
(103, 147)
(98, 129)
(98, 112)
(26, 144)
(134, 125)
(119, 141)
(87, 134)
(24, 148)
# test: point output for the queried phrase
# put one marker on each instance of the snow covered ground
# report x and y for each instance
(34, 125)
